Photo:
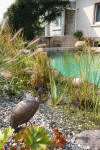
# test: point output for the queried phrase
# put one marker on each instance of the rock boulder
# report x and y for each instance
(76, 82)
(89, 138)
(80, 44)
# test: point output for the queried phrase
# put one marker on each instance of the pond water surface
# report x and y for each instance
(78, 65)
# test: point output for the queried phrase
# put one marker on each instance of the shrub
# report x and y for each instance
(79, 34)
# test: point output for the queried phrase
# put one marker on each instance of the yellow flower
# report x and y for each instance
(21, 81)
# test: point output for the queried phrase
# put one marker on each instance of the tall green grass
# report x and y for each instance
(86, 96)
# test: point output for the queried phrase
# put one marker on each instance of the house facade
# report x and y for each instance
(82, 15)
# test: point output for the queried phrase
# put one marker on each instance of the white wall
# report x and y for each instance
(56, 31)
(84, 18)
(4, 4)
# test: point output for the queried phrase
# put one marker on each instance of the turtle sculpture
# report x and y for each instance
(25, 110)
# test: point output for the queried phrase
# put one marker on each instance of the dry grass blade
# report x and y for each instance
(4, 24)
(29, 70)
(16, 34)
(36, 52)
(9, 60)
(41, 45)
(33, 42)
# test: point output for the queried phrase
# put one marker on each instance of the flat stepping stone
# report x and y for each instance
(89, 138)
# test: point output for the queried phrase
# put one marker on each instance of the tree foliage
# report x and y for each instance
(30, 14)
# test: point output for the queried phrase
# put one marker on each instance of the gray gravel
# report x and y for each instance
(46, 117)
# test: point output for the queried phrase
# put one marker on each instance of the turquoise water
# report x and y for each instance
(78, 65)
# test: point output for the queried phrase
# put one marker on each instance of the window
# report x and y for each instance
(58, 22)
(72, 4)
(97, 13)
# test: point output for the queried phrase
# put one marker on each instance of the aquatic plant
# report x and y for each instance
(86, 95)
(55, 97)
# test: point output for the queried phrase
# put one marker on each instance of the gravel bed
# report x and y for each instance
(46, 117)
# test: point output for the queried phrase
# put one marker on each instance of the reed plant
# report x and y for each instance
(40, 76)
(25, 61)
(86, 96)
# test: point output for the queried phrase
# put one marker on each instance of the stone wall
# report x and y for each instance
(59, 41)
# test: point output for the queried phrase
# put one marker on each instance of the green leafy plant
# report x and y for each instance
(56, 98)
(79, 34)
(35, 138)
(4, 136)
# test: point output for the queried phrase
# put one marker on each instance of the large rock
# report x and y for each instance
(89, 138)
(80, 44)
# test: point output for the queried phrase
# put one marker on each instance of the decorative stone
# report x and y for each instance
(80, 44)
(89, 138)
(77, 82)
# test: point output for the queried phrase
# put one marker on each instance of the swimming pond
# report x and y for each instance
(78, 65)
